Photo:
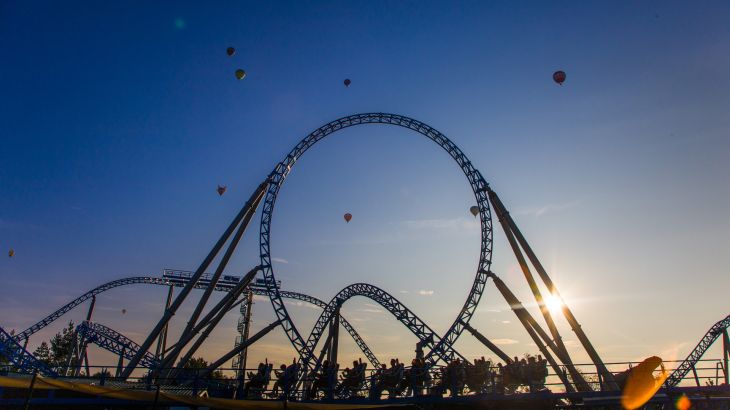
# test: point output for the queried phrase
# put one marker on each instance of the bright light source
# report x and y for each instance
(553, 304)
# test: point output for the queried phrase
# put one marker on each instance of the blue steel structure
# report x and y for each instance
(179, 278)
(23, 361)
(441, 348)
(717, 330)
(113, 341)
(409, 319)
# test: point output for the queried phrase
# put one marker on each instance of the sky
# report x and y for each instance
(119, 120)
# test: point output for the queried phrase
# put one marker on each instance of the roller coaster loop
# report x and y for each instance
(479, 187)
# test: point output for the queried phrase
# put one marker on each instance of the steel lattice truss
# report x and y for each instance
(223, 287)
(442, 349)
(21, 358)
(710, 337)
(310, 299)
(113, 341)
(391, 304)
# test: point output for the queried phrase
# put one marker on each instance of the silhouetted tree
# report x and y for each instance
(198, 363)
(43, 353)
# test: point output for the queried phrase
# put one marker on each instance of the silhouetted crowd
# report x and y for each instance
(481, 376)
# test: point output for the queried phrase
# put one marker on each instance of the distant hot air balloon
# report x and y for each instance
(240, 74)
(348, 217)
(559, 77)
(347, 82)
(124, 311)
(474, 210)
(230, 51)
(221, 190)
(11, 253)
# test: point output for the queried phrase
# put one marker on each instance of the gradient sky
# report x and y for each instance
(118, 120)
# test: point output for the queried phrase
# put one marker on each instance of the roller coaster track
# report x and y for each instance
(88, 295)
(113, 341)
(358, 340)
(21, 358)
(479, 186)
(221, 286)
(717, 330)
(387, 301)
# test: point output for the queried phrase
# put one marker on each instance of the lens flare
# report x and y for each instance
(641, 385)
(683, 403)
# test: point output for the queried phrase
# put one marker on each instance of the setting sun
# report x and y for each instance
(553, 304)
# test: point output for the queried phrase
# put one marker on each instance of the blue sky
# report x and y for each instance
(119, 120)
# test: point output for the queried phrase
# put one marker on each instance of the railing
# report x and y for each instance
(226, 281)
(223, 383)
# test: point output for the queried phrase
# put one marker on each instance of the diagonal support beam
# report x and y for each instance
(488, 343)
(222, 265)
(169, 313)
(209, 322)
(606, 375)
(532, 328)
(561, 351)
(214, 280)
(236, 350)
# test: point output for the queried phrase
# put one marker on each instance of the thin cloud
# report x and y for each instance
(506, 321)
(538, 211)
(370, 310)
(403, 291)
(299, 303)
(424, 292)
(280, 260)
(443, 224)
(504, 341)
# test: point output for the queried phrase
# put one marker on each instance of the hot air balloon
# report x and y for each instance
(240, 74)
(221, 190)
(348, 217)
(11, 253)
(230, 51)
(347, 82)
(474, 210)
(124, 311)
(559, 77)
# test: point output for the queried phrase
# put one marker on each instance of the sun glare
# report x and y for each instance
(553, 304)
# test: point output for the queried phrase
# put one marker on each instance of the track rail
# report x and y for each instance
(710, 337)
(479, 186)
(417, 326)
(113, 341)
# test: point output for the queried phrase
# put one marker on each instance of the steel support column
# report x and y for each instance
(726, 354)
(162, 340)
(244, 329)
(335, 332)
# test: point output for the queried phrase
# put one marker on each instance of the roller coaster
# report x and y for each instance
(165, 365)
